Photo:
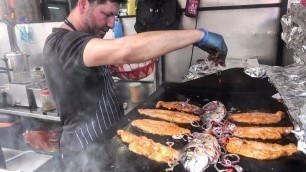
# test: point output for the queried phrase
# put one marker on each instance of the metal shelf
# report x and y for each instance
(26, 112)
(145, 81)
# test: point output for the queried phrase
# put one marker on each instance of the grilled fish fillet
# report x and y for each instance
(261, 132)
(259, 150)
(127, 136)
(180, 106)
(172, 116)
(148, 148)
(257, 117)
(159, 127)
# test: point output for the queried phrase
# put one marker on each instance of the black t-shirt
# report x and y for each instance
(85, 97)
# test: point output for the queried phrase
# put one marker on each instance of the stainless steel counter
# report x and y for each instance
(38, 113)
(28, 161)
(26, 112)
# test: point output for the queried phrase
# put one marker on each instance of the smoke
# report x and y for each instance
(12, 135)
(123, 158)
(108, 155)
(95, 157)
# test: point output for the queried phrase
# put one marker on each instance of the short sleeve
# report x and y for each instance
(69, 47)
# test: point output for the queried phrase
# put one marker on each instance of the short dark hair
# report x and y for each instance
(74, 2)
(103, 1)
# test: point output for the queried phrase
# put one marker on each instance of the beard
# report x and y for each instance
(98, 33)
(90, 27)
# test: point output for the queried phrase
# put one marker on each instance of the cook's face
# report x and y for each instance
(100, 18)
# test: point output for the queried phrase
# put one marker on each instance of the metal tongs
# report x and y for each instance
(300, 135)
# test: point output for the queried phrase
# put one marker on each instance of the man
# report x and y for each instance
(2, 159)
(76, 63)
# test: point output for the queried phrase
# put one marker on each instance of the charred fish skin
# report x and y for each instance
(213, 111)
(201, 151)
(192, 162)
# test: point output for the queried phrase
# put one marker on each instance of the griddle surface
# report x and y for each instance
(234, 89)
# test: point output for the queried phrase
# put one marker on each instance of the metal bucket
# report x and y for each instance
(18, 63)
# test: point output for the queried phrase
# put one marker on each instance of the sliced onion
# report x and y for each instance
(232, 156)
(169, 169)
(204, 128)
(205, 100)
(226, 163)
(238, 168)
(222, 130)
(178, 136)
(195, 123)
(171, 165)
(195, 134)
(224, 150)
(188, 138)
(181, 136)
(170, 144)
(215, 166)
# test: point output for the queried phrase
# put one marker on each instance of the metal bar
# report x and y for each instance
(127, 16)
(226, 8)
(18, 155)
(280, 42)
(12, 36)
(237, 7)
(30, 114)
(7, 67)
(146, 82)
(158, 73)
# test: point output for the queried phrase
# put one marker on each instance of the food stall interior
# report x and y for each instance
(251, 29)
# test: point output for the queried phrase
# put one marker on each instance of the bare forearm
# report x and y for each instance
(154, 44)
(138, 48)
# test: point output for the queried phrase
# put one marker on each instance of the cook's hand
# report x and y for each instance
(214, 45)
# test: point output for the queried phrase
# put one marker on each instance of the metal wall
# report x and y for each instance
(249, 33)
(34, 49)
(4, 47)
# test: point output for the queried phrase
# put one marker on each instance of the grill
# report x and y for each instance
(234, 89)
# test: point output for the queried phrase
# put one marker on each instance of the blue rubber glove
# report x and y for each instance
(214, 45)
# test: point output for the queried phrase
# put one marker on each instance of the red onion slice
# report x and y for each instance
(195, 124)
(215, 166)
(178, 136)
(171, 164)
(170, 144)
(238, 168)
(232, 156)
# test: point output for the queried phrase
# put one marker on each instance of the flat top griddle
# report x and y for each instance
(234, 89)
